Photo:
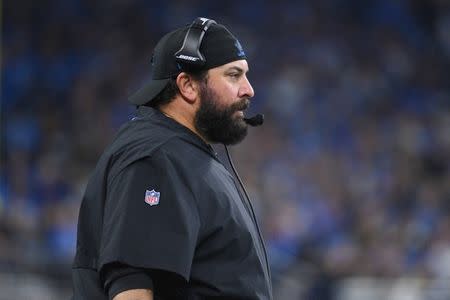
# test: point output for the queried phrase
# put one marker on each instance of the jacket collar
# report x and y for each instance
(150, 113)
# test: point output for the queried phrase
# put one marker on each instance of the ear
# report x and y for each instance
(189, 88)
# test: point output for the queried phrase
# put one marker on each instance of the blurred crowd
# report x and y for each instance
(349, 174)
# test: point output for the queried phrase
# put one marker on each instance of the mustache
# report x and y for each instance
(242, 104)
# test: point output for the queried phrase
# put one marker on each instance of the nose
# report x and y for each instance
(246, 89)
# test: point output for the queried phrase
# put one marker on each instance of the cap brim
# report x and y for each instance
(149, 91)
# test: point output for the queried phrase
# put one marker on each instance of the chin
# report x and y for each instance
(239, 121)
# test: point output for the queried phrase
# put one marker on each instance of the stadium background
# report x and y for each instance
(349, 174)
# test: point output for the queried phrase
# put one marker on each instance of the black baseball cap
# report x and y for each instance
(218, 46)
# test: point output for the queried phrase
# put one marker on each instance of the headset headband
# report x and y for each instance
(189, 52)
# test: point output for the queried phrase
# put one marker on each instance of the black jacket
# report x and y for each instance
(160, 199)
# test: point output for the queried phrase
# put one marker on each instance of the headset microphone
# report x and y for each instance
(255, 120)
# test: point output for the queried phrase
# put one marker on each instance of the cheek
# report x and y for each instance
(229, 92)
(225, 95)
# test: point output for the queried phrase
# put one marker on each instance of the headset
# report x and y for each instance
(189, 53)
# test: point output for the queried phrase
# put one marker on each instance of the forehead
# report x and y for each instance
(234, 65)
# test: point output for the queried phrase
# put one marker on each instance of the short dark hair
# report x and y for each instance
(171, 90)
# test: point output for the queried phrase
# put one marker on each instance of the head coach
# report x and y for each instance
(161, 217)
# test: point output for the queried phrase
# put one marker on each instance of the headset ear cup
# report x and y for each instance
(189, 53)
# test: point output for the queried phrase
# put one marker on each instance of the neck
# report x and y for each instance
(185, 119)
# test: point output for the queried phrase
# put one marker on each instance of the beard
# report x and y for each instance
(220, 125)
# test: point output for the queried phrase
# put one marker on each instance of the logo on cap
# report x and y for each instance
(239, 48)
(152, 197)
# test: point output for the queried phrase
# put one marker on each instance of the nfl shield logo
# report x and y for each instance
(151, 197)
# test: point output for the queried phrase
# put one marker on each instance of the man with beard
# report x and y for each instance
(162, 217)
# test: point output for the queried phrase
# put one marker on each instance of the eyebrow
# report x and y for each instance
(237, 69)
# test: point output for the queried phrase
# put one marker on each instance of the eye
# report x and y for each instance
(234, 75)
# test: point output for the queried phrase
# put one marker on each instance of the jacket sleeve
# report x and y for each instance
(120, 278)
(150, 218)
